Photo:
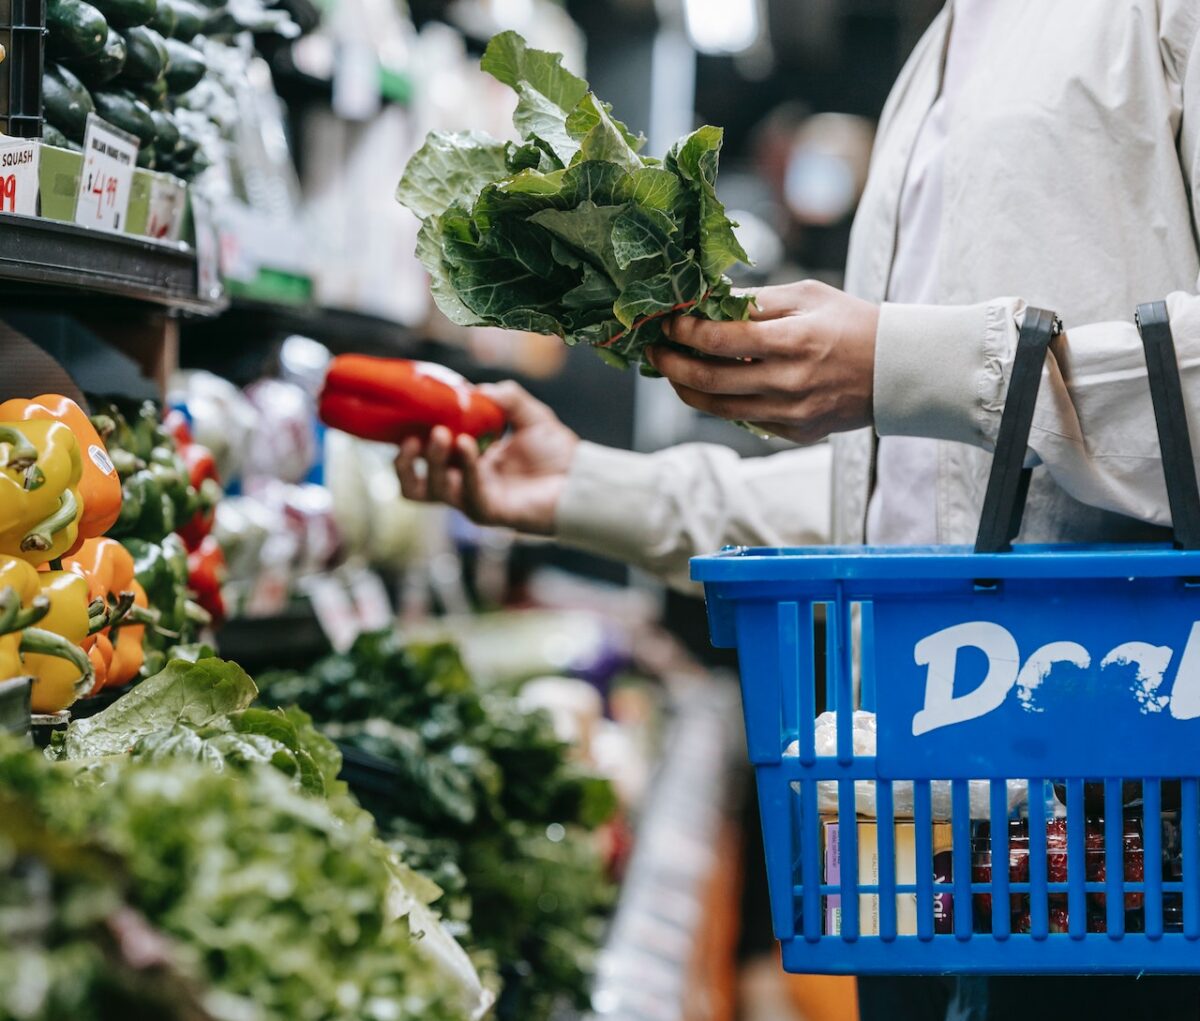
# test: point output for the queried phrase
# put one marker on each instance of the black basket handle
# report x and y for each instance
(1170, 414)
(1008, 484)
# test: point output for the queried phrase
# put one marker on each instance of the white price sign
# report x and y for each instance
(19, 176)
(109, 159)
(167, 200)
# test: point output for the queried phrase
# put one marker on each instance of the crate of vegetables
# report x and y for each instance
(1040, 703)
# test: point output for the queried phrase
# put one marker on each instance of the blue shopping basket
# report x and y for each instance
(1053, 690)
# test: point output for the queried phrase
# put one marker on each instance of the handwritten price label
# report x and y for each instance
(109, 159)
(19, 176)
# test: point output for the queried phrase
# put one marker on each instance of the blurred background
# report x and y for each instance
(298, 251)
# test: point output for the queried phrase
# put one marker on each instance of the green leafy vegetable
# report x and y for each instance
(186, 694)
(483, 800)
(175, 891)
(571, 232)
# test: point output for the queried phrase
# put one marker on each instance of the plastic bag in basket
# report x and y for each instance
(902, 790)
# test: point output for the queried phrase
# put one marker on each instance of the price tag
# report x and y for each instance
(208, 265)
(168, 197)
(334, 609)
(371, 601)
(19, 176)
(109, 159)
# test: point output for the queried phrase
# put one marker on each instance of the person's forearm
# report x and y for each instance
(656, 511)
(1093, 428)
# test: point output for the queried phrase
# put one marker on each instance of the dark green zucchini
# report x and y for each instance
(189, 18)
(164, 20)
(52, 136)
(104, 66)
(145, 158)
(74, 29)
(146, 55)
(127, 13)
(124, 110)
(185, 66)
(166, 138)
(154, 94)
(65, 102)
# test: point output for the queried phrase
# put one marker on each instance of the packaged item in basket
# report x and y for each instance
(906, 875)
(982, 863)
(864, 743)
(1057, 872)
(1132, 854)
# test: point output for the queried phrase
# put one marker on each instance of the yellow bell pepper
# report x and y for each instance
(28, 598)
(21, 605)
(61, 670)
(21, 578)
(40, 507)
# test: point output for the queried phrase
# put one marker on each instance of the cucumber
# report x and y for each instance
(74, 29)
(164, 21)
(104, 66)
(189, 18)
(66, 102)
(146, 55)
(124, 110)
(166, 138)
(185, 66)
(154, 94)
(127, 13)
(52, 136)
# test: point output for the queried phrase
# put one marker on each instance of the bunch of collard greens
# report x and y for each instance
(571, 232)
(188, 855)
(483, 801)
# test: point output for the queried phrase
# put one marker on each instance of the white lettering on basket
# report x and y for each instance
(938, 653)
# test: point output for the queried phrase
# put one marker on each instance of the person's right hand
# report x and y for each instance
(516, 483)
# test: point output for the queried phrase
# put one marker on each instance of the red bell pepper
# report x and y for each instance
(175, 422)
(202, 474)
(206, 574)
(392, 399)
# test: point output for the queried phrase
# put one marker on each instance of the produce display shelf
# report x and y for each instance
(248, 324)
(292, 637)
(645, 969)
(42, 258)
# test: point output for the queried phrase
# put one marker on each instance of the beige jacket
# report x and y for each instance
(1072, 167)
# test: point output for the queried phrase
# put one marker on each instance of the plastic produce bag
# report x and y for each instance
(284, 446)
(864, 743)
(222, 418)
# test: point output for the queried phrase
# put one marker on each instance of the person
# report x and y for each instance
(1031, 153)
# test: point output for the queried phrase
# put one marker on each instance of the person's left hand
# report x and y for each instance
(802, 367)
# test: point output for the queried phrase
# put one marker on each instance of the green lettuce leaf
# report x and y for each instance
(450, 169)
(571, 232)
(191, 694)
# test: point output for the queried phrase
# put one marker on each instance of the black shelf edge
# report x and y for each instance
(42, 257)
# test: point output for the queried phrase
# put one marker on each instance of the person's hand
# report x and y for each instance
(516, 483)
(802, 367)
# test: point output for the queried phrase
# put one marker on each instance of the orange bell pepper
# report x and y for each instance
(108, 569)
(100, 652)
(99, 486)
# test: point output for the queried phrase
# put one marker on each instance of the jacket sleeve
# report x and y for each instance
(655, 511)
(1093, 427)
